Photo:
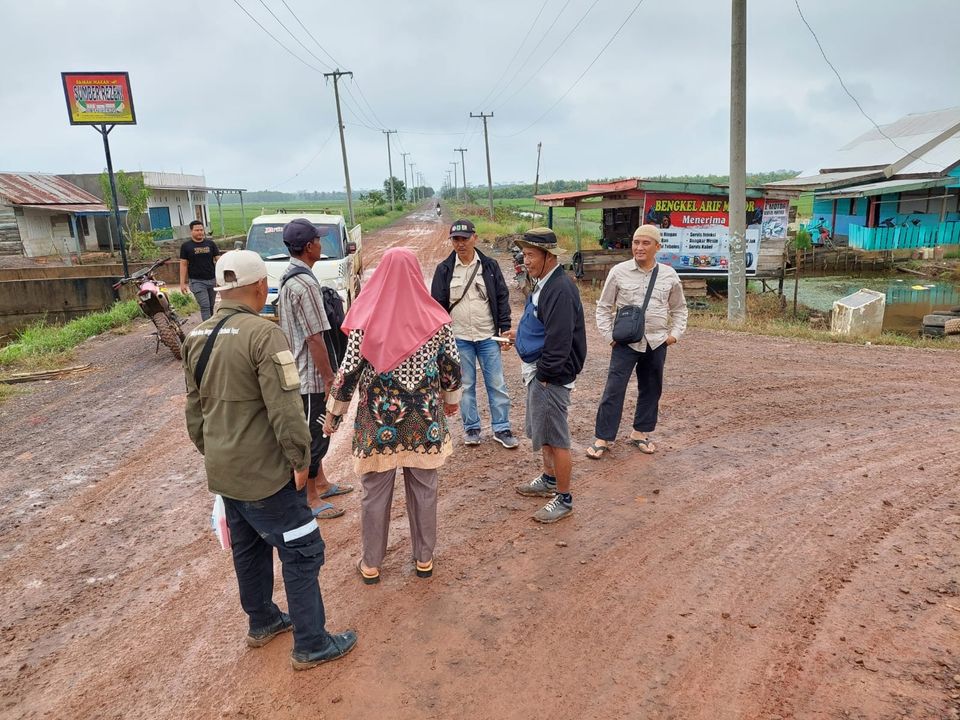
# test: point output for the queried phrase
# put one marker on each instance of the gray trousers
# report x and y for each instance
(203, 291)
(421, 491)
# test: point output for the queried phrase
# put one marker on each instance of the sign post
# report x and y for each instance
(102, 100)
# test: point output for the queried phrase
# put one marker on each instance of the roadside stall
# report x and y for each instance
(693, 222)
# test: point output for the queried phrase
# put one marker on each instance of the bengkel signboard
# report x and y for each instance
(95, 98)
(695, 231)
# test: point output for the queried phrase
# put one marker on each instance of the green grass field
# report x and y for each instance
(563, 221)
(370, 218)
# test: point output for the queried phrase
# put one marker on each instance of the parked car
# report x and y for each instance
(340, 267)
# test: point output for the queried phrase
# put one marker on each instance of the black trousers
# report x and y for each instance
(314, 407)
(624, 361)
(282, 521)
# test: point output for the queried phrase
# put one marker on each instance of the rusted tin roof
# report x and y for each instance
(77, 208)
(37, 189)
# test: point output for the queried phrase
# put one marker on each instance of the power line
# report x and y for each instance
(310, 34)
(274, 37)
(309, 162)
(549, 57)
(850, 94)
(290, 33)
(515, 54)
(532, 52)
(580, 77)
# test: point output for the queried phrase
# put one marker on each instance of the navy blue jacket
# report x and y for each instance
(565, 342)
(498, 295)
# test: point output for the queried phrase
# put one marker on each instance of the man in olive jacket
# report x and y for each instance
(244, 415)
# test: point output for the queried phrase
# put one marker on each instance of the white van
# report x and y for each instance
(339, 268)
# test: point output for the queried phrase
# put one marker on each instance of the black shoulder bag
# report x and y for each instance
(628, 325)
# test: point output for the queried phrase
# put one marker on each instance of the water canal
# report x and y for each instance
(907, 299)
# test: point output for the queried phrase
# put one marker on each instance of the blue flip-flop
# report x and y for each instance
(326, 512)
(337, 489)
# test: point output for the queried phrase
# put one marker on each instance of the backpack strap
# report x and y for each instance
(207, 349)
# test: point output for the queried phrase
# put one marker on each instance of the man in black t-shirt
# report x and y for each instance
(197, 258)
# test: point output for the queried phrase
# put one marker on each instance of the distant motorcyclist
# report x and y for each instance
(438, 208)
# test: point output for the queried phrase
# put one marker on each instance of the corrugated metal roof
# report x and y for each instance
(823, 180)
(77, 208)
(887, 186)
(910, 133)
(37, 189)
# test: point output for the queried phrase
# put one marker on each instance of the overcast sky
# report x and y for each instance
(215, 95)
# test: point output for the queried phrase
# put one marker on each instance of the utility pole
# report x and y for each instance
(420, 185)
(336, 75)
(449, 184)
(405, 188)
(486, 143)
(456, 193)
(737, 274)
(413, 185)
(463, 168)
(388, 133)
(536, 182)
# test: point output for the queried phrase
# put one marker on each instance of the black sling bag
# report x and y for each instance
(628, 326)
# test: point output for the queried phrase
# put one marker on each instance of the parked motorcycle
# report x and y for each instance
(520, 270)
(153, 302)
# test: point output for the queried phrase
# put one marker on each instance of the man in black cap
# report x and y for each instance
(470, 287)
(551, 340)
(304, 323)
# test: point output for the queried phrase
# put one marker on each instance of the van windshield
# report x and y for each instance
(267, 240)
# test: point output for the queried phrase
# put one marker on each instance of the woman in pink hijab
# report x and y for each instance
(402, 356)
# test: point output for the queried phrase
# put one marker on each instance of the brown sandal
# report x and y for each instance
(367, 577)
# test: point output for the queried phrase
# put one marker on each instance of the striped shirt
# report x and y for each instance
(301, 316)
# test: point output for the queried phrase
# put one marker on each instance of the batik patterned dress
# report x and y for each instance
(400, 420)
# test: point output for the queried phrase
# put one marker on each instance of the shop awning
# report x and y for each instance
(885, 187)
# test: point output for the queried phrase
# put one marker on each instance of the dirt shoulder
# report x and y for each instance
(791, 551)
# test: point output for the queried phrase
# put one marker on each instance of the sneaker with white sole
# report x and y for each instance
(554, 510)
(538, 487)
(471, 437)
(506, 438)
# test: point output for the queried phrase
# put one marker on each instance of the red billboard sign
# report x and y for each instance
(95, 98)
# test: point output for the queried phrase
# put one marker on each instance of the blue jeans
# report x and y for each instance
(488, 353)
(282, 521)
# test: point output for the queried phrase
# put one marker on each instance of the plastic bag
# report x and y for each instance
(218, 523)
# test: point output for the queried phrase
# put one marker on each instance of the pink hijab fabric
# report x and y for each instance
(395, 311)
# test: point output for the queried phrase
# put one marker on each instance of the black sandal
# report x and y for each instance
(601, 450)
(643, 444)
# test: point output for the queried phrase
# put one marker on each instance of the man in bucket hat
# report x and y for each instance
(470, 287)
(244, 415)
(665, 320)
(552, 343)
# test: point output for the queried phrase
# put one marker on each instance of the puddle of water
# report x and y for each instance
(907, 301)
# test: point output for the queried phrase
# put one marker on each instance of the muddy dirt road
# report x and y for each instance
(792, 551)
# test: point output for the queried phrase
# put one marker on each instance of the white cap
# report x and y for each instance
(247, 267)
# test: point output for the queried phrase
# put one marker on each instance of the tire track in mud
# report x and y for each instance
(756, 506)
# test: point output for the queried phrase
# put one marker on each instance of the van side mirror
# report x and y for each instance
(351, 248)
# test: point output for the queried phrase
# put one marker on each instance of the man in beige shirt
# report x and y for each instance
(665, 320)
(470, 286)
